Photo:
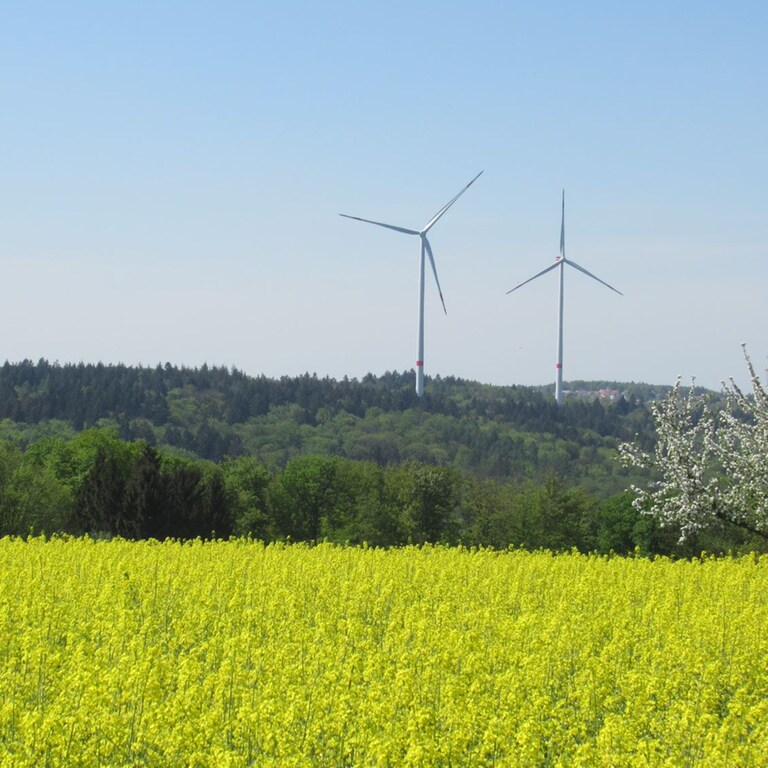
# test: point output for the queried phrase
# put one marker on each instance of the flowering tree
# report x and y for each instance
(712, 459)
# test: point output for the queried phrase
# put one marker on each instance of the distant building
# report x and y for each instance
(591, 394)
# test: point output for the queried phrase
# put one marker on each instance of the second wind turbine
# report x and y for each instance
(425, 249)
(560, 263)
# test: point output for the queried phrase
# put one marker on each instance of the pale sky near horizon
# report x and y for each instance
(171, 175)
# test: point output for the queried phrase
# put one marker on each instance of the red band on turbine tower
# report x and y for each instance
(558, 365)
(419, 363)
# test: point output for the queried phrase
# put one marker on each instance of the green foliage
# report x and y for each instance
(102, 485)
(199, 452)
(31, 498)
(101, 507)
(247, 482)
(195, 501)
(429, 497)
(303, 498)
(217, 413)
(369, 511)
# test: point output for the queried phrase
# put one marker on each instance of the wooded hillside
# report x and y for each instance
(178, 452)
(216, 412)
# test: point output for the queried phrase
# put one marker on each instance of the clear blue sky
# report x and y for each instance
(171, 175)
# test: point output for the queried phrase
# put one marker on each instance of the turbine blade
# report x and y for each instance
(434, 271)
(562, 229)
(435, 218)
(538, 274)
(594, 277)
(380, 224)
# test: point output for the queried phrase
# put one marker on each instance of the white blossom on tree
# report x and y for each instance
(712, 459)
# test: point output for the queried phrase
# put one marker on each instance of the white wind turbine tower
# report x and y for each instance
(560, 263)
(426, 248)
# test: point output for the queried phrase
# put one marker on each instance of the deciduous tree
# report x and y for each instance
(712, 459)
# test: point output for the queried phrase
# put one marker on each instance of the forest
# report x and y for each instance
(198, 452)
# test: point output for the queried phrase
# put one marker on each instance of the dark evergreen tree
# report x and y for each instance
(183, 501)
(145, 494)
(100, 499)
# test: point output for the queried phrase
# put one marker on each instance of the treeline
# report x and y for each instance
(217, 413)
(101, 485)
(82, 394)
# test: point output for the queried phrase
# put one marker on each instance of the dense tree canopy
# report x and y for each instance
(169, 452)
(98, 484)
(214, 413)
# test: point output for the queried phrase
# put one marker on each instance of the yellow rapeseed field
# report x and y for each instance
(238, 654)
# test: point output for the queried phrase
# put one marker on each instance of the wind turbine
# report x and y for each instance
(560, 263)
(426, 248)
